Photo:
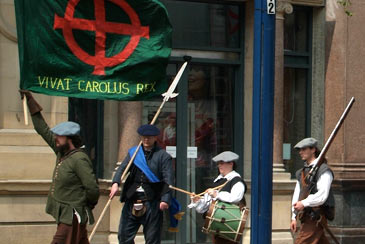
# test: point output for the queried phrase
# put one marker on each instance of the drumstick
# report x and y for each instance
(181, 190)
(215, 188)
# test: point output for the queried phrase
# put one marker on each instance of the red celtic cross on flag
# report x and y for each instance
(100, 26)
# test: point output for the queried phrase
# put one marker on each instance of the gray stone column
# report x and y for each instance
(282, 184)
(130, 117)
(282, 8)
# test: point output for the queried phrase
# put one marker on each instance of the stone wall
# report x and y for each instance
(345, 51)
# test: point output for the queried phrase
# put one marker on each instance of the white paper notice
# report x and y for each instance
(171, 150)
(192, 152)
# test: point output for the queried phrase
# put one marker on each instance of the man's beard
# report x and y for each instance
(63, 149)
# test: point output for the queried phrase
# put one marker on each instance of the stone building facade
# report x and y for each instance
(317, 69)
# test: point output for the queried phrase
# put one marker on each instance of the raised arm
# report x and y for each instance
(39, 123)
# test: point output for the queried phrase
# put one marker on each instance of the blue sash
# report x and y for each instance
(141, 163)
(175, 207)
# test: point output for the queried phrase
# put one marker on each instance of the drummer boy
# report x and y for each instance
(232, 191)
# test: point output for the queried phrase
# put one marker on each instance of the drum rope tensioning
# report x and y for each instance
(226, 220)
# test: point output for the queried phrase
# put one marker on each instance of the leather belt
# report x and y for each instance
(140, 196)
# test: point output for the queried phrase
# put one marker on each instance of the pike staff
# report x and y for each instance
(167, 95)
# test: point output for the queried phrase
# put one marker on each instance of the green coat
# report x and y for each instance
(74, 184)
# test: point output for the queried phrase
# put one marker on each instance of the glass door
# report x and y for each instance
(195, 126)
(210, 119)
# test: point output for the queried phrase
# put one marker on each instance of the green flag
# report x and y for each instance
(101, 49)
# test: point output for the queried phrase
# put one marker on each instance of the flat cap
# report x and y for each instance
(148, 130)
(226, 157)
(307, 142)
(68, 128)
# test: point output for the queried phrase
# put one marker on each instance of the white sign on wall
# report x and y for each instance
(192, 152)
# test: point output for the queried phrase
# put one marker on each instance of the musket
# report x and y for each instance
(308, 182)
(167, 95)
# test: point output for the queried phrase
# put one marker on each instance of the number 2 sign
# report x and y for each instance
(271, 7)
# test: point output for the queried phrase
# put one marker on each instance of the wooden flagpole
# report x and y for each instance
(25, 110)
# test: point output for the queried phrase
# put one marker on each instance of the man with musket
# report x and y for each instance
(318, 206)
(74, 190)
(146, 190)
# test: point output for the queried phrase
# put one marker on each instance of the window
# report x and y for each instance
(89, 114)
(297, 81)
(204, 25)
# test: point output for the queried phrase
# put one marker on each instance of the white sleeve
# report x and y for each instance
(294, 200)
(234, 196)
(323, 186)
(202, 205)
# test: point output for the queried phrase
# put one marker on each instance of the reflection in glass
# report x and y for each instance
(296, 36)
(295, 113)
(210, 95)
(85, 112)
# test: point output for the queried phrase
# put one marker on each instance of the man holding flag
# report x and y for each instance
(146, 191)
(74, 190)
(104, 50)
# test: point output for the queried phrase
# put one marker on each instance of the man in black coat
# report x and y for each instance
(145, 193)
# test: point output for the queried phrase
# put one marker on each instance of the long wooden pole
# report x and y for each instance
(167, 95)
(25, 110)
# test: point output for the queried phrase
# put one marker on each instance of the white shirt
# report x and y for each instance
(234, 196)
(313, 200)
